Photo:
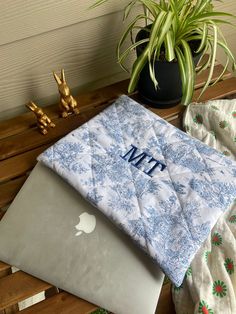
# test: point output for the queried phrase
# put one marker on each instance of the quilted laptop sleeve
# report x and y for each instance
(163, 188)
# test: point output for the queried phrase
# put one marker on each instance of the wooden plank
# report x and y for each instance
(165, 304)
(5, 270)
(63, 303)
(202, 78)
(31, 139)
(9, 190)
(87, 101)
(19, 165)
(18, 287)
(11, 310)
(220, 90)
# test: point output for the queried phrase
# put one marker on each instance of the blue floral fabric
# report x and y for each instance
(163, 188)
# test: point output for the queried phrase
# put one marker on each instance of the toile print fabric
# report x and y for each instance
(210, 282)
(163, 188)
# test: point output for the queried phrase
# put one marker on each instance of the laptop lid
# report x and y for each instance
(51, 232)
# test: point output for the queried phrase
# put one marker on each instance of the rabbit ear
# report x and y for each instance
(63, 75)
(57, 78)
(32, 106)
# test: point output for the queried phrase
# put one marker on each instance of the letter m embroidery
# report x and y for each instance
(131, 156)
(136, 160)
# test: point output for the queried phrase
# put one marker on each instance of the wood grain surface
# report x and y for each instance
(19, 286)
(63, 303)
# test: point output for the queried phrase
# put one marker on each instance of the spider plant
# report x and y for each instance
(173, 25)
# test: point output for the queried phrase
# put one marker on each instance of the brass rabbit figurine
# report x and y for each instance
(67, 102)
(43, 121)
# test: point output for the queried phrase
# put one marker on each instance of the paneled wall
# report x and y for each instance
(38, 36)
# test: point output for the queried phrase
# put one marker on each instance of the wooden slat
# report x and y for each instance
(5, 270)
(32, 138)
(220, 90)
(165, 304)
(202, 78)
(11, 310)
(63, 303)
(9, 190)
(18, 287)
(87, 101)
(19, 165)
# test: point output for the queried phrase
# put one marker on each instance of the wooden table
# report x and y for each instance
(21, 143)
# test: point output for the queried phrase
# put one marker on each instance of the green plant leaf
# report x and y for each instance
(97, 3)
(151, 6)
(137, 68)
(181, 63)
(174, 24)
(169, 46)
(213, 58)
(125, 54)
(161, 27)
(204, 38)
(127, 32)
(189, 72)
(209, 16)
(207, 63)
(155, 33)
(222, 73)
(128, 8)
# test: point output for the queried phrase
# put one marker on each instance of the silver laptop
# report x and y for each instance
(51, 232)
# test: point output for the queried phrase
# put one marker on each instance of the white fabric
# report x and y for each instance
(163, 188)
(210, 282)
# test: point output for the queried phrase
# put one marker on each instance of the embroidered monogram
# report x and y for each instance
(138, 160)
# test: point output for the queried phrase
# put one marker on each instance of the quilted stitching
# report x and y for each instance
(168, 215)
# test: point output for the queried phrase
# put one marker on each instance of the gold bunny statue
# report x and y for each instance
(67, 102)
(43, 121)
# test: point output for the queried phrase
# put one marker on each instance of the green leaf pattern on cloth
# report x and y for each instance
(232, 219)
(219, 289)
(204, 308)
(223, 124)
(214, 123)
(229, 265)
(206, 255)
(217, 239)
(198, 119)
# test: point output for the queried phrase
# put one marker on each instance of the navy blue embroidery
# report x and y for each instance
(131, 156)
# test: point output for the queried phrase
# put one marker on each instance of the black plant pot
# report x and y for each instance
(169, 91)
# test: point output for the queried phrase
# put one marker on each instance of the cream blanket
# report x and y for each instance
(210, 282)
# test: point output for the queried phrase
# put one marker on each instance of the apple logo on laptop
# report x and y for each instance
(86, 224)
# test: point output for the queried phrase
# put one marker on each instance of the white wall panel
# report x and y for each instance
(86, 50)
(38, 36)
(20, 19)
